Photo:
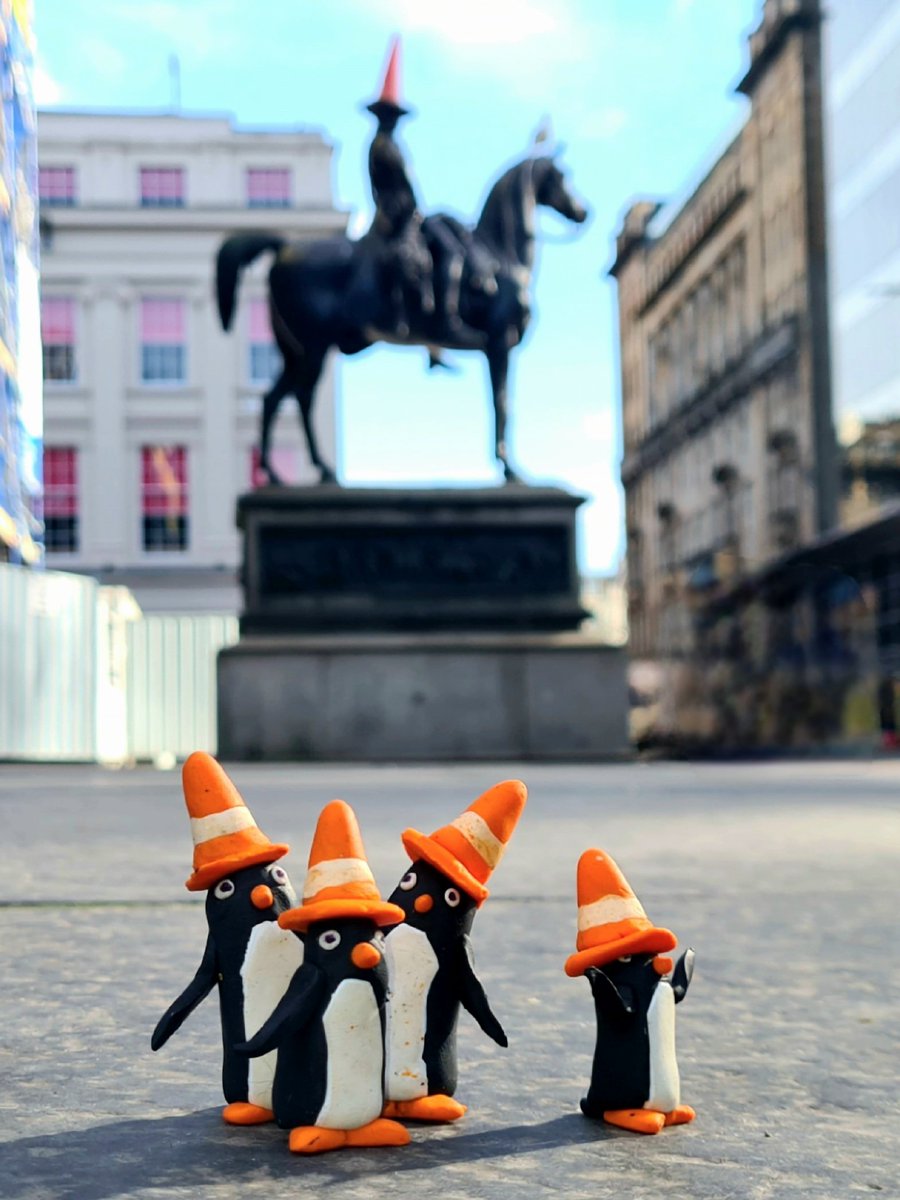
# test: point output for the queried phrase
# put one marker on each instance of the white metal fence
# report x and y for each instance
(84, 676)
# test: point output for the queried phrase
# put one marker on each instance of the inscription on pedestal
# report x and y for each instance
(446, 561)
(336, 559)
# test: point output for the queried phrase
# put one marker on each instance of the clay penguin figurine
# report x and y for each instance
(430, 960)
(250, 958)
(634, 1079)
(329, 1026)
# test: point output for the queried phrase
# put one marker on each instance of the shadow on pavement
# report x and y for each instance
(198, 1151)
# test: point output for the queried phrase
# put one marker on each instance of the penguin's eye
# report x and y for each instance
(279, 875)
(330, 939)
(452, 897)
(408, 881)
(625, 958)
(224, 889)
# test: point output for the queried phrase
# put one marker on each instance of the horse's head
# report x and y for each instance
(550, 191)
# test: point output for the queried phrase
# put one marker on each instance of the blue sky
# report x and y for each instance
(639, 91)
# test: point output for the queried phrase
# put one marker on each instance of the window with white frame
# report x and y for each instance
(265, 358)
(268, 187)
(162, 187)
(57, 186)
(163, 340)
(164, 498)
(60, 499)
(58, 339)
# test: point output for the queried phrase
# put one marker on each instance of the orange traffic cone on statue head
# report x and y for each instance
(388, 103)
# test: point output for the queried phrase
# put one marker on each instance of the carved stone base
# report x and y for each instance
(384, 697)
(334, 559)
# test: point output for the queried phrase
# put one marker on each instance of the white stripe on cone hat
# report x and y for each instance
(226, 837)
(339, 883)
(611, 919)
(470, 847)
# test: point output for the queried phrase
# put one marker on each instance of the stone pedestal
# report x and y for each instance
(401, 624)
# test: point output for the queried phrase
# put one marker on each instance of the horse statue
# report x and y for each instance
(327, 293)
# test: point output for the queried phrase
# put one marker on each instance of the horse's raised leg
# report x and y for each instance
(270, 403)
(305, 391)
(498, 363)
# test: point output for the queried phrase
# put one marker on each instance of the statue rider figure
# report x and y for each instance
(407, 241)
(404, 262)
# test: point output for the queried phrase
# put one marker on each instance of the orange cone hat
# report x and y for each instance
(339, 882)
(226, 838)
(389, 100)
(469, 848)
(611, 919)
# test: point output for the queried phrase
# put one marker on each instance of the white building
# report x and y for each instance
(151, 410)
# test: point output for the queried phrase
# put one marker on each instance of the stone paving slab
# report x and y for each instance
(783, 877)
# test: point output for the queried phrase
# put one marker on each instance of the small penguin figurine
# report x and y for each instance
(430, 961)
(634, 1080)
(329, 1026)
(247, 954)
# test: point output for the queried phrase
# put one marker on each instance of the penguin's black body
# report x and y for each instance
(328, 1030)
(251, 960)
(431, 973)
(634, 1060)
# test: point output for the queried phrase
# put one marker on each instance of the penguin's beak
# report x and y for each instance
(261, 897)
(423, 904)
(365, 956)
(662, 965)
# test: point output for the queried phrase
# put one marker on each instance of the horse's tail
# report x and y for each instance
(235, 253)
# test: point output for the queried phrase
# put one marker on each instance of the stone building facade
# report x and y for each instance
(729, 458)
(152, 411)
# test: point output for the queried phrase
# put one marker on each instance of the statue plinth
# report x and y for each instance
(353, 560)
(414, 624)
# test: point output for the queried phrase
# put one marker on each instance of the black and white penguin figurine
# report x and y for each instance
(329, 1027)
(431, 968)
(247, 954)
(634, 1080)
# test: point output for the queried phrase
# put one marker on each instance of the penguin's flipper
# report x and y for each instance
(681, 976)
(472, 995)
(612, 1002)
(292, 1012)
(198, 989)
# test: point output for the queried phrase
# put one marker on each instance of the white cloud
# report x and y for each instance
(47, 90)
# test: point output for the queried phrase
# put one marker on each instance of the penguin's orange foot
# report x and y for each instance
(241, 1113)
(313, 1139)
(378, 1133)
(639, 1120)
(680, 1115)
(438, 1108)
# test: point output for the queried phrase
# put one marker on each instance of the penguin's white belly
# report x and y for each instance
(412, 965)
(354, 1089)
(665, 1088)
(273, 955)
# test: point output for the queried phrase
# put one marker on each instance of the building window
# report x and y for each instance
(58, 337)
(162, 187)
(164, 497)
(56, 186)
(268, 187)
(265, 359)
(163, 348)
(60, 499)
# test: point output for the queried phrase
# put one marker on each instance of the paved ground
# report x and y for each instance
(784, 877)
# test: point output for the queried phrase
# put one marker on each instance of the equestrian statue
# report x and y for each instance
(412, 279)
